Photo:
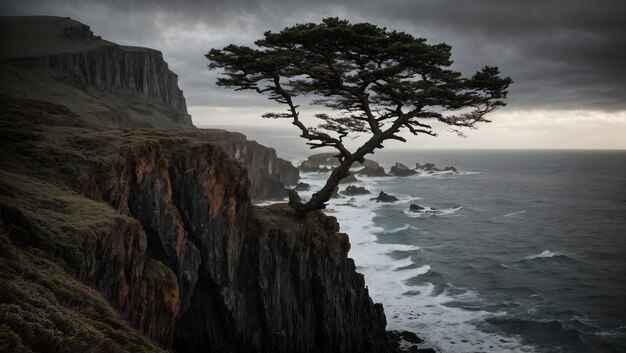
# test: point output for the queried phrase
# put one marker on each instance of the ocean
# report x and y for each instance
(523, 250)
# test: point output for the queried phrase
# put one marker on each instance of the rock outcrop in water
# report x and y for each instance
(371, 168)
(402, 170)
(324, 162)
(385, 197)
(352, 190)
(430, 168)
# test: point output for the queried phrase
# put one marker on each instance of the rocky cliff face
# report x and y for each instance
(260, 281)
(68, 47)
(164, 230)
(115, 67)
(268, 174)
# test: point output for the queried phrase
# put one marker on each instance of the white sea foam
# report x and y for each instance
(545, 253)
(396, 230)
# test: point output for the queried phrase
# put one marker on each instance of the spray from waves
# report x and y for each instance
(389, 267)
(544, 254)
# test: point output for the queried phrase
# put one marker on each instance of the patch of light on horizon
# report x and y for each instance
(509, 129)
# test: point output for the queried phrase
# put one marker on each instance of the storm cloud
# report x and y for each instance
(561, 54)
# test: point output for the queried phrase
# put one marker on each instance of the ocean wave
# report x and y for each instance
(405, 273)
(514, 213)
(397, 230)
(616, 332)
(544, 254)
(430, 212)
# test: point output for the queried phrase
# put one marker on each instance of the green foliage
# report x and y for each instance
(368, 75)
(374, 81)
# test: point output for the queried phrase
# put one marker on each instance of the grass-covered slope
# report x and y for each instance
(47, 231)
(44, 232)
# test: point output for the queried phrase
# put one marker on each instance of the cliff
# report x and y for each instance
(159, 224)
(58, 59)
(268, 174)
(109, 86)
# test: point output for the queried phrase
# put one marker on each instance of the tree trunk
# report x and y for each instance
(319, 199)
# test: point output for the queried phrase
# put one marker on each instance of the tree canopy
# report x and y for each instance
(373, 81)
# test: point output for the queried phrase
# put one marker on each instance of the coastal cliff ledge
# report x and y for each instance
(153, 233)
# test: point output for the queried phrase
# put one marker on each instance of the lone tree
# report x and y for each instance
(375, 82)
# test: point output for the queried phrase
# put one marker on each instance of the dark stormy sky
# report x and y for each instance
(567, 57)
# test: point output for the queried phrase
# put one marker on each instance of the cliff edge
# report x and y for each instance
(157, 226)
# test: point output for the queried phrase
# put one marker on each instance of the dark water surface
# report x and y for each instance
(541, 236)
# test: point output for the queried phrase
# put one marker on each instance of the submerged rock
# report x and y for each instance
(384, 197)
(400, 169)
(355, 190)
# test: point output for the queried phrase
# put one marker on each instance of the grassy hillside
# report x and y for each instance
(43, 308)
(46, 230)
